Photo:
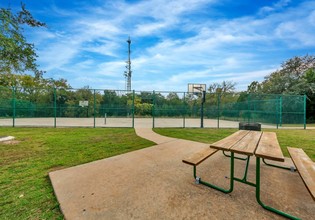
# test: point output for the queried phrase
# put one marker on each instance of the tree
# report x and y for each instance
(296, 76)
(222, 88)
(16, 54)
(293, 77)
(309, 77)
(159, 99)
(110, 98)
(25, 81)
(146, 97)
(254, 87)
(173, 99)
(223, 91)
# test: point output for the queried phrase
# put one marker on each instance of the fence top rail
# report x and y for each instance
(155, 91)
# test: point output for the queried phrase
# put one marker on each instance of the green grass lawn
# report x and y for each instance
(25, 188)
(298, 125)
(287, 138)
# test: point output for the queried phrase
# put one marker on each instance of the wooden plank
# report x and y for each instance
(248, 144)
(306, 168)
(229, 141)
(269, 148)
(200, 156)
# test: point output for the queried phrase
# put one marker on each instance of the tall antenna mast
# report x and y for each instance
(128, 68)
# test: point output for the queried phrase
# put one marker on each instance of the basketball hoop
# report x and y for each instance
(200, 91)
(196, 88)
(83, 103)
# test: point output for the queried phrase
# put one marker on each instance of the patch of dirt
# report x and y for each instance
(6, 138)
(13, 142)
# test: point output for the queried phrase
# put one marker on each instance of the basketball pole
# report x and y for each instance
(198, 89)
(203, 99)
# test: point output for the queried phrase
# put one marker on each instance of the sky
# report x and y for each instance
(173, 42)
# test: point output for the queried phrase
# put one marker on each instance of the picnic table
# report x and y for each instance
(261, 145)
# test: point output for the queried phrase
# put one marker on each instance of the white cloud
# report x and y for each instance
(311, 18)
(147, 29)
(276, 6)
(56, 55)
(94, 28)
(163, 9)
(103, 47)
(115, 68)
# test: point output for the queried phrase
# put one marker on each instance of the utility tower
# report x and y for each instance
(128, 68)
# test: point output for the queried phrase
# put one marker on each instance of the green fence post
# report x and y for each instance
(304, 111)
(203, 98)
(277, 112)
(153, 102)
(248, 109)
(253, 108)
(13, 106)
(218, 124)
(133, 108)
(55, 108)
(184, 110)
(94, 110)
(280, 111)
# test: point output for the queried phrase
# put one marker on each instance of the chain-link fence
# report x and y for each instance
(117, 108)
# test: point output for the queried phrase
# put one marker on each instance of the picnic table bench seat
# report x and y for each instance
(305, 167)
(200, 156)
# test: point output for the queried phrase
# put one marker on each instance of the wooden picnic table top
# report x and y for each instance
(269, 148)
(226, 143)
(261, 144)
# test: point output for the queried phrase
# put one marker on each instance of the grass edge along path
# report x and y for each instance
(25, 188)
(299, 138)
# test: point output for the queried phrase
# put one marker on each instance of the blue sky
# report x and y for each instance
(174, 42)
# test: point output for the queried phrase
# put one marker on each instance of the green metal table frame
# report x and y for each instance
(239, 158)
(244, 180)
(277, 166)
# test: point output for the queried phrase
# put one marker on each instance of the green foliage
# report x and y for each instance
(254, 87)
(309, 76)
(16, 54)
(143, 109)
(295, 77)
(34, 96)
(28, 82)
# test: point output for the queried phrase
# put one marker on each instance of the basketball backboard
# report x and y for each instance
(196, 87)
(83, 103)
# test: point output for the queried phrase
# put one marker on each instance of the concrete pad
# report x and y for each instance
(120, 122)
(152, 136)
(153, 183)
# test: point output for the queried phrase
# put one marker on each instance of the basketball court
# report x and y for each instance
(122, 122)
(116, 108)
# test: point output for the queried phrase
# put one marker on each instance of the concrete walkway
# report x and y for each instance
(153, 183)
